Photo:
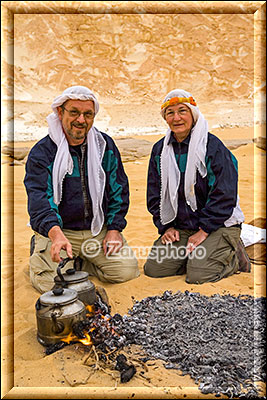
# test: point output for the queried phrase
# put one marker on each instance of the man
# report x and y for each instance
(192, 194)
(78, 195)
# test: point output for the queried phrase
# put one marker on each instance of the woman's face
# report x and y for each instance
(180, 120)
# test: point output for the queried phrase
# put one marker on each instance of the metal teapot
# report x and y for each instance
(56, 312)
(76, 279)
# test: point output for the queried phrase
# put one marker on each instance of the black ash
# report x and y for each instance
(55, 347)
(219, 340)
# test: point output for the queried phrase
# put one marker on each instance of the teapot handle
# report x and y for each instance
(61, 265)
(78, 263)
(58, 326)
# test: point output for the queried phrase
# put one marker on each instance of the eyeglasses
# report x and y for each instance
(75, 113)
(180, 112)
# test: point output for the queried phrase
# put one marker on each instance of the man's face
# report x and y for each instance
(76, 126)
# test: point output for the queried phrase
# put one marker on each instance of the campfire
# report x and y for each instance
(219, 340)
(99, 332)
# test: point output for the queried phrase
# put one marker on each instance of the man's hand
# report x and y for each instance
(59, 241)
(171, 235)
(195, 240)
(112, 242)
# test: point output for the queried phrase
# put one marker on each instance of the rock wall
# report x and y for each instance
(131, 59)
(140, 56)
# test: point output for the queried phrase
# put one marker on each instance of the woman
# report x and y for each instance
(192, 195)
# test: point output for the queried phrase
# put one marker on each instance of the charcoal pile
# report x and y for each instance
(219, 340)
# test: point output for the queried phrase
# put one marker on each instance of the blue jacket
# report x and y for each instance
(216, 194)
(69, 214)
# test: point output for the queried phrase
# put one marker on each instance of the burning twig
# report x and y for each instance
(99, 331)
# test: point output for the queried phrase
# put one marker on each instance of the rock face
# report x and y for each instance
(131, 61)
(132, 149)
(260, 142)
(234, 144)
(18, 153)
(138, 56)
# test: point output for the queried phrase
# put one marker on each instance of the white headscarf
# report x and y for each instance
(63, 162)
(170, 173)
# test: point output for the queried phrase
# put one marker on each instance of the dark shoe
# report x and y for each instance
(243, 258)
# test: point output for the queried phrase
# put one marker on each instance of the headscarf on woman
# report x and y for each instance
(170, 173)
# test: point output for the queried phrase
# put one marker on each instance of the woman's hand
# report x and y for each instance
(195, 240)
(171, 235)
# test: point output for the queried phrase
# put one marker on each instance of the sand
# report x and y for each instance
(27, 370)
(130, 61)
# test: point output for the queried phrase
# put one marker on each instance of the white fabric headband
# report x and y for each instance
(75, 93)
(180, 96)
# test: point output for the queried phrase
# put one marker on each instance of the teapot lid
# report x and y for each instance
(71, 275)
(58, 296)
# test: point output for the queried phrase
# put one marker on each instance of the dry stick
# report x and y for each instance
(149, 384)
(110, 352)
(97, 365)
(96, 361)
(96, 355)
(144, 377)
(78, 383)
(140, 362)
(85, 358)
(66, 376)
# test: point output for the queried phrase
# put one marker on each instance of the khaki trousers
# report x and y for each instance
(215, 258)
(115, 268)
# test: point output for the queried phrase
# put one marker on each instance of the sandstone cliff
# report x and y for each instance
(131, 61)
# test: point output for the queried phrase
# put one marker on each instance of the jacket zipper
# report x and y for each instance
(83, 177)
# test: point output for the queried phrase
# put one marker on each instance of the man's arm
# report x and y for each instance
(38, 182)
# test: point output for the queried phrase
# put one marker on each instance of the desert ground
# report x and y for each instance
(33, 371)
(130, 61)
